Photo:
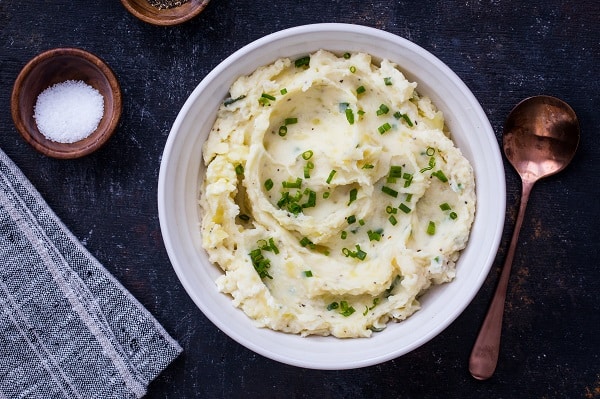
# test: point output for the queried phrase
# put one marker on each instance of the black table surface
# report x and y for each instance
(503, 50)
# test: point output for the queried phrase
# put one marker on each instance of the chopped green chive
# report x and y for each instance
(440, 175)
(383, 109)
(307, 172)
(394, 284)
(290, 203)
(306, 242)
(350, 116)
(344, 235)
(333, 306)
(431, 228)
(446, 207)
(387, 81)
(352, 69)
(230, 100)
(392, 220)
(283, 91)
(390, 209)
(360, 89)
(389, 191)
(306, 155)
(430, 151)
(367, 309)
(294, 208)
(268, 96)
(288, 121)
(330, 177)
(351, 219)
(345, 309)
(374, 235)
(399, 115)
(312, 200)
(404, 208)
(368, 166)
(260, 263)
(384, 128)
(239, 169)
(293, 184)
(302, 62)
(431, 160)
(308, 273)
(346, 56)
(395, 171)
(326, 194)
(407, 179)
(273, 246)
(409, 197)
(285, 197)
(353, 194)
(268, 184)
(360, 254)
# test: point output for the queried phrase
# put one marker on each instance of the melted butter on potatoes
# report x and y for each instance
(333, 197)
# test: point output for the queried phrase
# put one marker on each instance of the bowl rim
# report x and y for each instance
(493, 233)
(70, 150)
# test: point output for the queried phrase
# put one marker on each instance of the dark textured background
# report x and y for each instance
(503, 50)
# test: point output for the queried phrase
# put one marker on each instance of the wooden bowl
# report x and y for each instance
(56, 66)
(143, 10)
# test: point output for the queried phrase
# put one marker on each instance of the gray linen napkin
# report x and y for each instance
(68, 329)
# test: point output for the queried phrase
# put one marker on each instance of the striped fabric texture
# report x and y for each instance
(68, 329)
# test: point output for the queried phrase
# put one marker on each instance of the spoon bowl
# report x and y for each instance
(541, 135)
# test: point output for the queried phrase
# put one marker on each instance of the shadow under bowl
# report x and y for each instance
(145, 11)
(57, 66)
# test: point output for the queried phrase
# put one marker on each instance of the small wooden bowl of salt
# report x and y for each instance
(66, 103)
(165, 12)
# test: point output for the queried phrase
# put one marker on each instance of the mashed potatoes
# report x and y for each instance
(332, 197)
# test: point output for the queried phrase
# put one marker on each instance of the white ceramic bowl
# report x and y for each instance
(181, 170)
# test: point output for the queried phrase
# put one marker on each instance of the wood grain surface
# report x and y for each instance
(504, 51)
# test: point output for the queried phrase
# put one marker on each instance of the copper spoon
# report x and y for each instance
(540, 138)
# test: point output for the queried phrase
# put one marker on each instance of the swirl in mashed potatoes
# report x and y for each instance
(333, 197)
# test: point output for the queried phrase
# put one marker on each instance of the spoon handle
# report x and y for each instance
(484, 355)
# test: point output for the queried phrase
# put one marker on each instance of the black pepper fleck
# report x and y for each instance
(165, 4)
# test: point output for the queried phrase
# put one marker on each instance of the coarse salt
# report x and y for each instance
(69, 111)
